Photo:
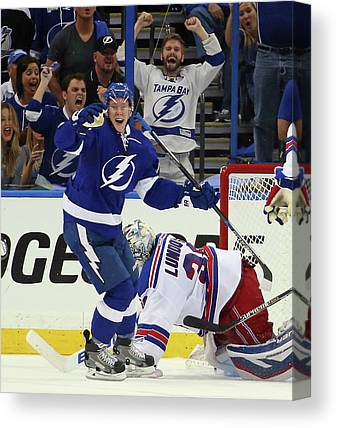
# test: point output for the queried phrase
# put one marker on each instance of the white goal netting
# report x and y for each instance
(284, 249)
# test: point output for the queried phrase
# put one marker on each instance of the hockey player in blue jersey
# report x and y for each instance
(114, 158)
(57, 166)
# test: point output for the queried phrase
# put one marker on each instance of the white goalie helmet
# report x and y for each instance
(141, 239)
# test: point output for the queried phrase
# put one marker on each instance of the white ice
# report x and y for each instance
(23, 373)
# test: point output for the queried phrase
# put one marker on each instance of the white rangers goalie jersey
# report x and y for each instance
(170, 103)
(180, 280)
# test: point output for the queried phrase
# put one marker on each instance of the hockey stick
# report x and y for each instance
(267, 274)
(202, 324)
(62, 363)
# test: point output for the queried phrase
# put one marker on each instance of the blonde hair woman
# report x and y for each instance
(12, 155)
(247, 23)
(17, 162)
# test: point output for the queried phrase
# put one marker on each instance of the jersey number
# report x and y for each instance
(193, 261)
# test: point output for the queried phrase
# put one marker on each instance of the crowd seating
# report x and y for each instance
(215, 138)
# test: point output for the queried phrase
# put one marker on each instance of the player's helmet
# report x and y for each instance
(118, 90)
(141, 239)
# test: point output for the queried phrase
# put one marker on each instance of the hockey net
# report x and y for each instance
(284, 249)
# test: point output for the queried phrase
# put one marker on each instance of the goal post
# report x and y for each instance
(284, 249)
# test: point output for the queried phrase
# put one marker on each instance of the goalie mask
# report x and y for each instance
(141, 239)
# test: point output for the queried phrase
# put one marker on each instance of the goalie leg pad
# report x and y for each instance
(284, 357)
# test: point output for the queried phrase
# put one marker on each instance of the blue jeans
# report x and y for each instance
(272, 72)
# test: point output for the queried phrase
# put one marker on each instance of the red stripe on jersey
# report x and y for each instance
(291, 143)
(210, 281)
(154, 264)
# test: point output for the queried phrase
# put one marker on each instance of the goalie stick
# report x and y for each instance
(267, 274)
(202, 324)
(62, 363)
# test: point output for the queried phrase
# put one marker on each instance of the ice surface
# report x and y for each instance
(30, 373)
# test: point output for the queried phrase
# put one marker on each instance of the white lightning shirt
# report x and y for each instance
(170, 104)
(180, 280)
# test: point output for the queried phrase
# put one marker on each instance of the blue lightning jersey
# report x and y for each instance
(56, 166)
(110, 166)
(20, 109)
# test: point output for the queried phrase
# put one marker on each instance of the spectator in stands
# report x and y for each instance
(34, 148)
(8, 89)
(74, 45)
(213, 17)
(17, 31)
(171, 94)
(247, 53)
(12, 156)
(27, 81)
(283, 53)
(57, 166)
(105, 70)
(48, 22)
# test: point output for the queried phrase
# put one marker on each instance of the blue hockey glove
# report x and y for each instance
(203, 199)
(91, 116)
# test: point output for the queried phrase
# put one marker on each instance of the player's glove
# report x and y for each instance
(203, 199)
(287, 197)
(91, 116)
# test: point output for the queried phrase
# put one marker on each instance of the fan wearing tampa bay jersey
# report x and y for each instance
(171, 94)
(57, 166)
(114, 158)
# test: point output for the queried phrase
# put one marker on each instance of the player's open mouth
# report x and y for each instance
(119, 119)
(78, 102)
(172, 60)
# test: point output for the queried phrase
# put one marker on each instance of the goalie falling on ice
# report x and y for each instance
(177, 279)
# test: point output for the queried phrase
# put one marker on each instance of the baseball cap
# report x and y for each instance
(15, 55)
(106, 42)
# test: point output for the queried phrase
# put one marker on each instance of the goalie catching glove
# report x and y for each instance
(204, 199)
(288, 197)
(91, 116)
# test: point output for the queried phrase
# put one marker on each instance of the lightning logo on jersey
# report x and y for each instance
(62, 164)
(118, 172)
(93, 260)
(169, 108)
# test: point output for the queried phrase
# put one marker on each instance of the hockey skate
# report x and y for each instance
(137, 363)
(101, 363)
